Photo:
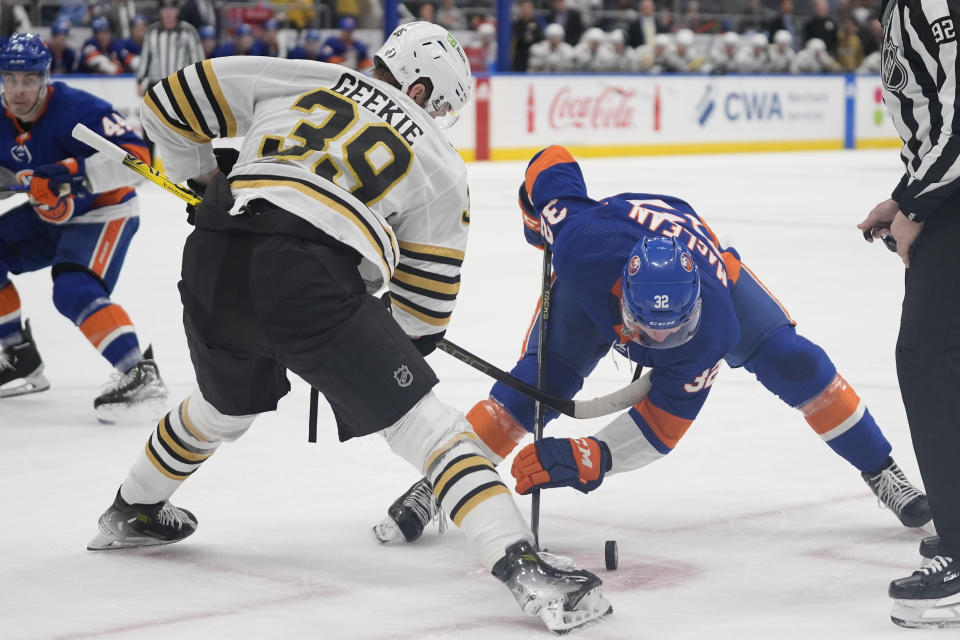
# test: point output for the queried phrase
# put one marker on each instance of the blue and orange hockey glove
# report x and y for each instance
(531, 219)
(561, 462)
(50, 182)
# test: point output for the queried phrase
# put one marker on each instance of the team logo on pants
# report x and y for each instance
(403, 376)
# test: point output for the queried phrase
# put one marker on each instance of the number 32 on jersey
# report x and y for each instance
(374, 155)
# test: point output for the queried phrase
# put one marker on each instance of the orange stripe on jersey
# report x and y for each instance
(104, 322)
(9, 300)
(550, 156)
(666, 426)
(138, 151)
(832, 407)
(732, 264)
(762, 286)
(495, 426)
(114, 196)
(71, 164)
(106, 246)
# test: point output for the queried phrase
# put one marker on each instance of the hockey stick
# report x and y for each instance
(16, 188)
(614, 402)
(540, 407)
(86, 135)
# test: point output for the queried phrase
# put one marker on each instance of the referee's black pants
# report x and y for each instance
(928, 368)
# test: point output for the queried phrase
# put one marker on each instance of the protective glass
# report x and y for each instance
(653, 338)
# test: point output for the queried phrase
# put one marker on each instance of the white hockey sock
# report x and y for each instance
(174, 451)
(470, 490)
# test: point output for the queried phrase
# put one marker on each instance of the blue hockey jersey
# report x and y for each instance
(591, 242)
(49, 139)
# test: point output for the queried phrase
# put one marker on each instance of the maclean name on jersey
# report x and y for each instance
(377, 102)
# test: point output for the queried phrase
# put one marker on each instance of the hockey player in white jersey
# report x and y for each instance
(781, 53)
(684, 57)
(591, 55)
(753, 57)
(652, 58)
(622, 57)
(814, 58)
(552, 53)
(724, 53)
(343, 184)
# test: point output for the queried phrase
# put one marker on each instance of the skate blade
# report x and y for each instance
(941, 613)
(387, 531)
(106, 542)
(591, 608)
(34, 383)
(149, 410)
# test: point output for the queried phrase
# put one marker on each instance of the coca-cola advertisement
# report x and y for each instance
(610, 107)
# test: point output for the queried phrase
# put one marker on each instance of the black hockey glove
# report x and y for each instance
(226, 158)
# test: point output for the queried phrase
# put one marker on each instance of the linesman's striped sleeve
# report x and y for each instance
(200, 102)
(426, 282)
(920, 65)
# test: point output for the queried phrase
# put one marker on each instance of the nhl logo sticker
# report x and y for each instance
(403, 376)
(686, 262)
(634, 265)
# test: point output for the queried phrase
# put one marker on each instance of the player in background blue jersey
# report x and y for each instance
(645, 275)
(64, 59)
(81, 215)
(345, 50)
(101, 52)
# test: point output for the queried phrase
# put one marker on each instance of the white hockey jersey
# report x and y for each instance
(353, 156)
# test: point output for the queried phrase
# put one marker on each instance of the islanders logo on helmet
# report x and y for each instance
(25, 52)
(660, 295)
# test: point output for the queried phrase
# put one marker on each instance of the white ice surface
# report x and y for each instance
(752, 528)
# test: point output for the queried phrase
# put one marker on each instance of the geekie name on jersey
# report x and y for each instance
(377, 102)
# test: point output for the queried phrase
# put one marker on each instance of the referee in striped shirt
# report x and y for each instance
(920, 90)
(169, 46)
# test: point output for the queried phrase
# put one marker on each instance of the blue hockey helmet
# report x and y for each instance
(100, 24)
(660, 301)
(244, 29)
(313, 35)
(207, 32)
(61, 26)
(25, 52)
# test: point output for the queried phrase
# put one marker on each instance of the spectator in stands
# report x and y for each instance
(130, 48)
(785, 20)
(427, 12)
(527, 29)
(724, 53)
(208, 40)
(345, 49)
(781, 52)
(64, 59)
(623, 59)
(482, 51)
(849, 47)
(311, 49)
(200, 13)
(814, 58)
(665, 21)
(347, 9)
(450, 17)
(647, 25)
(623, 16)
(274, 44)
(691, 17)
(752, 19)
(73, 11)
(590, 52)
(754, 57)
(552, 53)
(100, 53)
(871, 35)
(652, 58)
(822, 26)
(242, 44)
(302, 15)
(570, 19)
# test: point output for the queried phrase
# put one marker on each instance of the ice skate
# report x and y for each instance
(895, 492)
(138, 394)
(928, 598)
(564, 599)
(141, 525)
(930, 547)
(409, 515)
(21, 368)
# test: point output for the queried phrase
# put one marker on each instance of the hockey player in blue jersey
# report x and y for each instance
(81, 215)
(101, 53)
(643, 273)
(345, 50)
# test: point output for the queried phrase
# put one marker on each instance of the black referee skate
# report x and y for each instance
(138, 394)
(21, 368)
(564, 599)
(141, 525)
(409, 514)
(895, 492)
(930, 597)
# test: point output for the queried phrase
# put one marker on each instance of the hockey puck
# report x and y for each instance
(610, 554)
